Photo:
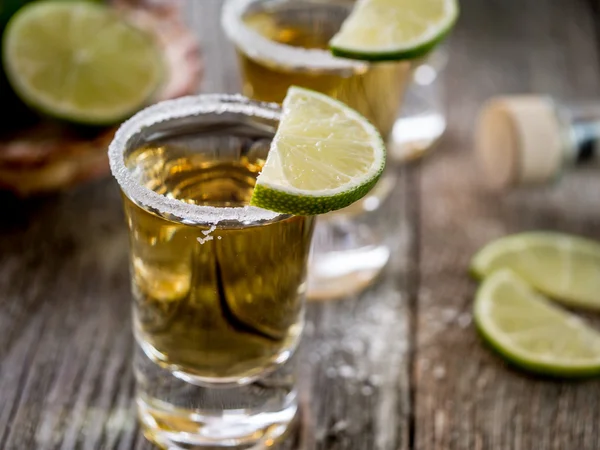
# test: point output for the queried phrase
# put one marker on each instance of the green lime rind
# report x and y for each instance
(538, 368)
(398, 54)
(402, 51)
(333, 157)
(480, 263)
(73, 81)
(566, 268)
(305, 205)
(555, 367)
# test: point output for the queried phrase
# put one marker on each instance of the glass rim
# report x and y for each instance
(260, 48)
(195, 105)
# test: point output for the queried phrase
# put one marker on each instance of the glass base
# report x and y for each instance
(348, 248)
(413, 136)
(177, 415)
(175, 428)
(339, 273)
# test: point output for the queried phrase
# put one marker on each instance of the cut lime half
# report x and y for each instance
(533, 333)
(80, 61)
(394, 29)
(565, 268)
(323, 157)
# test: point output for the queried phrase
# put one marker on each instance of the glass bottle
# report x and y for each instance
(530, 140)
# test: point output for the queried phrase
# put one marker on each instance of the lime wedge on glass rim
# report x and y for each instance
(393, 30)
(563, 267)
(80, 61)
(324, 156)
(533, 333)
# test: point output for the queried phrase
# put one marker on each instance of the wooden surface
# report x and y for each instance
(399, 367)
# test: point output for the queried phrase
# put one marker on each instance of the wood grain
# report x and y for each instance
(465, 397)
(65, 342)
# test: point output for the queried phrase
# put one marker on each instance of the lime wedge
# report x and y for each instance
(394, 29)
(324, 157)
(533, 333)
(565, 268)
(80, 61)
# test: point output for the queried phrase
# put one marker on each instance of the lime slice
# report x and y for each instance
(533, 333)
(80, 61)
(565, 268)
(324, 157)
(394, 29)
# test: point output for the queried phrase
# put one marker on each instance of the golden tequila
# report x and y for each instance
(284, 42)
(221, 301)
(298, 33)
(218, 286)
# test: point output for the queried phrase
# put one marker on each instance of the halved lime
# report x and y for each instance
(80, 61)
(394, 29)
(533, 333)
(324, 157)
(565, 268)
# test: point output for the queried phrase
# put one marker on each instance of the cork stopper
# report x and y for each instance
(519, 141)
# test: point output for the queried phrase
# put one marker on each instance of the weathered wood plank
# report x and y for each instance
(465, 397)
(354, 365)
(221, 72)
(65, 347)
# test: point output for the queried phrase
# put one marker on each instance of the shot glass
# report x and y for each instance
(218, 286)
(422, 119)
(285, 42)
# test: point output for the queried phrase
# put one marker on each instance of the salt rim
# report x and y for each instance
(259, 47)
(175, 109)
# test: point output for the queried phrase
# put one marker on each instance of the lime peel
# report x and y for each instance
(565, 268)
(80, 61)
(393, 30)
(324, 156)
(531, 332)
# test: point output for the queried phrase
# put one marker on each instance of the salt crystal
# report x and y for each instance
(464, 320)
(366, 390)
(339, 426)
(447, 315)
(210, 230)
(346, 372)
(206, 239)
(176, 109)
(375, 380)
(259, 47)
(439, 372)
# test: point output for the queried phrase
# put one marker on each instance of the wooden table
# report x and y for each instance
(398, 367)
